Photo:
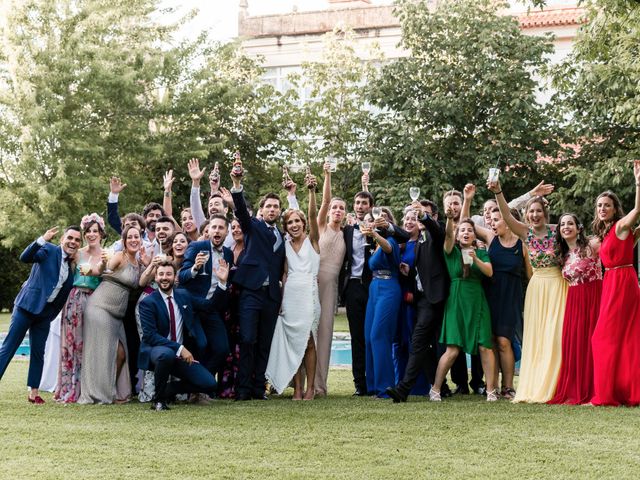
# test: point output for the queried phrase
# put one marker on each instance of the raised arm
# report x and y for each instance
(539, 190)
(326, 198)
(241, 210)
(34, 253)
(194, 198)
(113, 217)
(449, 235)
(314, 235)
(627, 222)
(365, 182)
(469, 192)
(517, 227)
(167, 183)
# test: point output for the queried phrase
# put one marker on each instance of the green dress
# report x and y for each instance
(467, 319)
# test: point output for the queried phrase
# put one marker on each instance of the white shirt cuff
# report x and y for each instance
(113, 197)
(194, 272)
(179, 350)
(236, 190)
(41, 241)
(195, 190)
(223, 286)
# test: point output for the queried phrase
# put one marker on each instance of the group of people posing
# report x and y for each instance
(228, 304)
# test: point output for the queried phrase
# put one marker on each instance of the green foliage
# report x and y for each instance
(463, 100)
(597, 103)
(89, 89)
(14, 272)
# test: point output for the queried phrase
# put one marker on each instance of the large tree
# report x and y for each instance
(598, 104)
(90, 88)
(464, 99)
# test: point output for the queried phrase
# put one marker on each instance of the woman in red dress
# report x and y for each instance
(582, 269)
(616, 339)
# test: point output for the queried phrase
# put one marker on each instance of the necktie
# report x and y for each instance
(277, 236)
(172, 318)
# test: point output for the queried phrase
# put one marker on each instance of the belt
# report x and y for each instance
(619, 266)
(382, 274)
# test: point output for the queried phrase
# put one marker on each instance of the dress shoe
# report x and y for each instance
(359, 393)
(260, 397)
(242, 398)
(37, 400)
(396, 395)
(480, 390)
(159, 406)
(445, 391)
(461, 390)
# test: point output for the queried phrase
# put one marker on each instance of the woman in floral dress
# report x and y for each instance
(72, 316)
(544, 303)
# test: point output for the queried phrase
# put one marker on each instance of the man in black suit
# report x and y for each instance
(169, 323)
(432, 289)
(258, 275)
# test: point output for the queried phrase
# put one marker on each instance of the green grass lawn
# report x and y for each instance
(334, 437)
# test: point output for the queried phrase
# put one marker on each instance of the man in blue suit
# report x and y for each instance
(258, 275)
(169, 323)
(41, 298)
(198, 276)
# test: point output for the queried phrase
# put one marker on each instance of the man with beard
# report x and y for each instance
(199, 277)
(172, 337)
(259, 278)
(41, 298)
(164, 229)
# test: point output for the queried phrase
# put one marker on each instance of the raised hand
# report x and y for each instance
(469, 191)
(201, 259)
(222, 271)
(226, 196)
(365, 179)
(541, 189)
(636, 171)
(214, 178)
(116, 185)
(494, 186)
(290, 186)
(310, 181)
(144, 257)
(167, 180)
(449, 213)
(49, 234)
(194, 170)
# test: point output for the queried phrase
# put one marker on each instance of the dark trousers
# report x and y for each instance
(356, 296)
(217, 341)
(133, 338)
(257, 315)
(38, 327)
(459, 372)
(194, 378)
(424, 344)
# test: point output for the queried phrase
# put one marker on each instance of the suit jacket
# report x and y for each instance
(400, 235)
(259, 261)
(200, 284)
(430, 262)
(43, 278)
(155, 321)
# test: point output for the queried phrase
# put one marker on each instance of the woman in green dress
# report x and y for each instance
(467, 320)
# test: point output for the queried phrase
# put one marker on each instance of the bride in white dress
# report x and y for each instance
(293, 351)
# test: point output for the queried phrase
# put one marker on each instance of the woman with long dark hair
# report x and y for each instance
(582, 269)
(616, 339)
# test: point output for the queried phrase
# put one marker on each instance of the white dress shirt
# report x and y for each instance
(177, 315)
(357, 246)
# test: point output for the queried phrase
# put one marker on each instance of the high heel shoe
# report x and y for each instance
(37, 400)
(434, 396)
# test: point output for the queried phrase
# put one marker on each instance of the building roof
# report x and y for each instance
(376, 17)
(553, 17)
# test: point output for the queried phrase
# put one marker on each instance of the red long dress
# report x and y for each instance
(616, 339)
(575, 382)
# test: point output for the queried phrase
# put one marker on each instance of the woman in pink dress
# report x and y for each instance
(616, 339)
(582, 269)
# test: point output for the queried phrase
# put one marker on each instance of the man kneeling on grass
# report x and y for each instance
(171, 331)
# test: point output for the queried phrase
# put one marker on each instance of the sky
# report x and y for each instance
(220, 17)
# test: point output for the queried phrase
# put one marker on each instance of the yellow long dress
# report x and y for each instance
(543, 318)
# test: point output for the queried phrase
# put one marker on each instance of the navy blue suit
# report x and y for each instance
(258, 304)
(157, 350)
(32, 311)
(198, 286)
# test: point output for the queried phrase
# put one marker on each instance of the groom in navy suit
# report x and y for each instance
(169, 323)
(198, 276)
(258, 275)
(41, 298)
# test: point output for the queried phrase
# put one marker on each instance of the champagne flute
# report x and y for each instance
(110, 252)
(376, 212)
(366, 167)
(414, 193)
(206, 259)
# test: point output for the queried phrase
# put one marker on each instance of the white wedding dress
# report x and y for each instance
(300, 315)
